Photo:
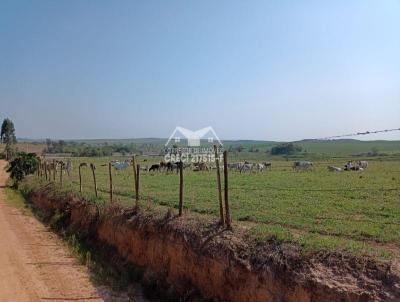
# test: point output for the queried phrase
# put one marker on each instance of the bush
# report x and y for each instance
(23, 164)
(286, 149)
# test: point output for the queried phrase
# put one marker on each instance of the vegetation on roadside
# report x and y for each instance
(7, 137)
(22, 165)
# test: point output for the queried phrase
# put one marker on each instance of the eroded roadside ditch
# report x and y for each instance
(191, 258)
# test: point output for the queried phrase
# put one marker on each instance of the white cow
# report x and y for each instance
(363, 164)
(246, 167)
(120, 165)
(334, 169)
(302, 166)
(260, 167)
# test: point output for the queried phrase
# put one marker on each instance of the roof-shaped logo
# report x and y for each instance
(194, 137)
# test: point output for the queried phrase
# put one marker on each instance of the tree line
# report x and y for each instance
(82, 149)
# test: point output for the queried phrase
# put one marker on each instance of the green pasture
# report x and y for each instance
(352, 211)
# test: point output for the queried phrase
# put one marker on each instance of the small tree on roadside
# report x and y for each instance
(22, 165)
(7, 136)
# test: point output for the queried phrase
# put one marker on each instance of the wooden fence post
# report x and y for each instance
(61, 172)
(221, 207)
(111, 184)
(40, 164)
(93, 167)
(54, 170)
(134, 176)
(226, 192)
(180, 187)
(45, 170)
(80, 176)
(137, 183)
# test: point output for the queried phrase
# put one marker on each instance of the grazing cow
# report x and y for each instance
(155, 167)
(231, 166)
(363, 164)
(334, 169)
(120, 165)
(201, 166)
(172, 166)
(302, 166)
(348, 166)
(246, 167)
(267, 165)
(177, 165)
(240, 165)
(260, 167)
(163, 166)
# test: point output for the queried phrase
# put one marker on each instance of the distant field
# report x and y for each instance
(350, 147)
(358, 212)
(311, 148)
(27, 147)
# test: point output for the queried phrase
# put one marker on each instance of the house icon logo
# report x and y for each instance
(193, 137)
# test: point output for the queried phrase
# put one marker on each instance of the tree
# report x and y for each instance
(7, 136)
(239, 148)
(286, 149)
(22, 165)
(374, 151)
(8, 132)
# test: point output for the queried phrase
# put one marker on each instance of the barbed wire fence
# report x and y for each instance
(121, 181)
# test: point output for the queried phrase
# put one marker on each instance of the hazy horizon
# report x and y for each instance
(359, 138)
(260, 70)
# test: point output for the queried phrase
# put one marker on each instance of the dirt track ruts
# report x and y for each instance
(35, 265)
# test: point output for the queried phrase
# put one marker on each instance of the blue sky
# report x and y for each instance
(272, 70)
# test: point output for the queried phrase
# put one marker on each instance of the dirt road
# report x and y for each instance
(35, 265)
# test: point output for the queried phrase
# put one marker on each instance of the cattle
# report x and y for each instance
(177, 165)
(363, 164)
(169, 166)
(201, 166)
(246, 167)
(302, 166)
(120, 165)
(163, 165)
(348, 166)
(231, 166)
(155, 167)
(334, 169)
(267, 165)
(260, 167)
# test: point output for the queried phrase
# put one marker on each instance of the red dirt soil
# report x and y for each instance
(197, 256)
(35, 265)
